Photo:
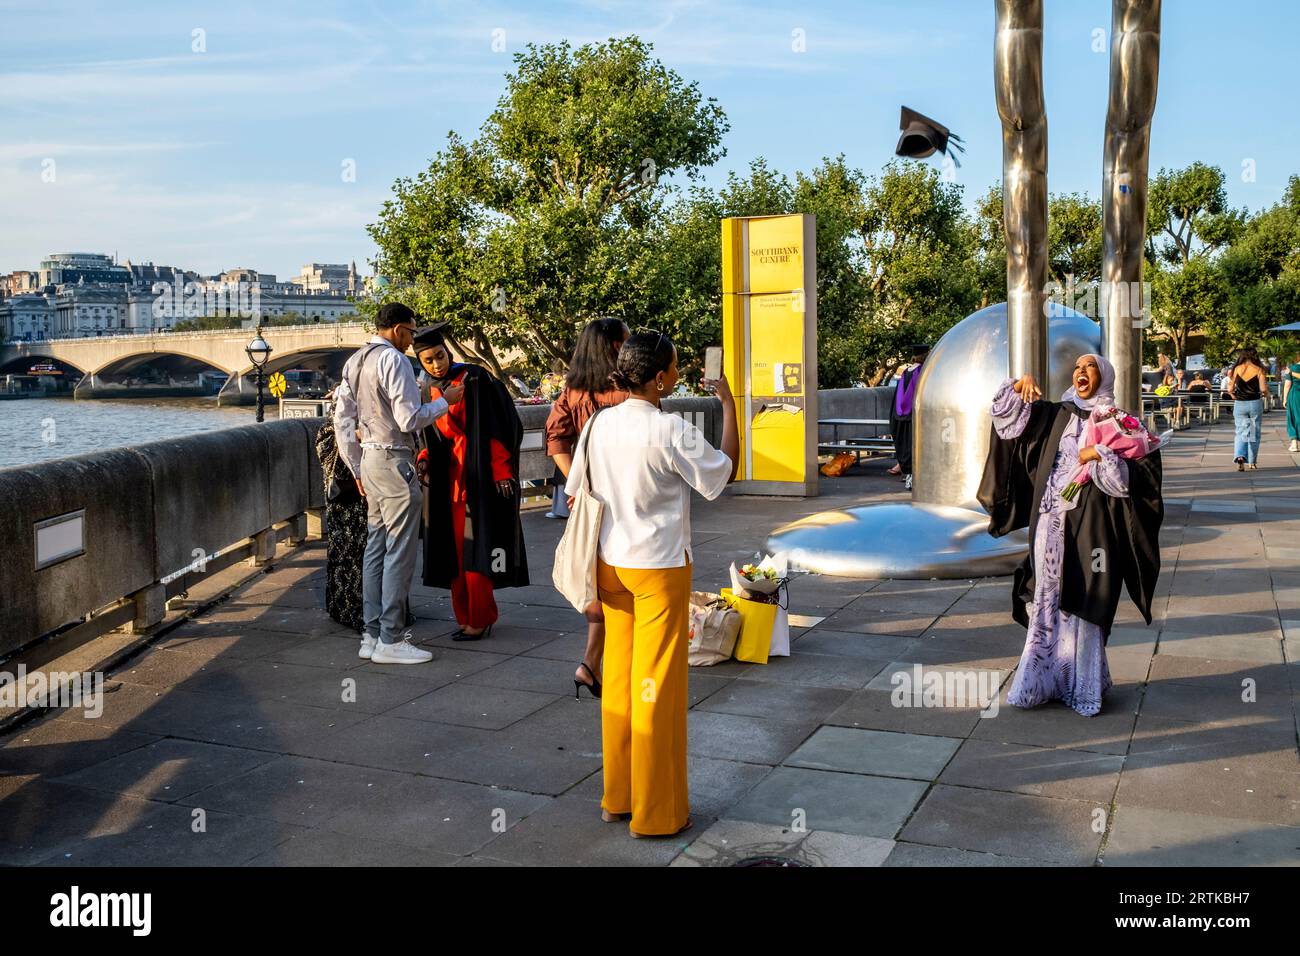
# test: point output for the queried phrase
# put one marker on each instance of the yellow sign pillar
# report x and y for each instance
(769, 342)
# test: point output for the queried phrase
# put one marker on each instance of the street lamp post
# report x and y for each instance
(259, 352)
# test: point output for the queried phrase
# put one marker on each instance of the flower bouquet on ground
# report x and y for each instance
(768, 633)
(1117, 430)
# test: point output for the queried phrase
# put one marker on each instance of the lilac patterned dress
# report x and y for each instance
(1064, 657)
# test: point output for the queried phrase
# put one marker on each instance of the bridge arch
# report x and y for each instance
(93, 383)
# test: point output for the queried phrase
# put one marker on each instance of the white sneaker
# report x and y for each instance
(1295, 445)
(367, 647)
(400, 652)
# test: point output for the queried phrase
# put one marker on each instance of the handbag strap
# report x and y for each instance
(584, 442)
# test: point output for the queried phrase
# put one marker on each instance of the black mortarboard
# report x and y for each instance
(922, 137)
(428, 337)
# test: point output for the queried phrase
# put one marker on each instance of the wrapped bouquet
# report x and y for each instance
(1117, 430)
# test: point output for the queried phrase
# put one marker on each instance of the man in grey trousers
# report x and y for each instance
(379, 397)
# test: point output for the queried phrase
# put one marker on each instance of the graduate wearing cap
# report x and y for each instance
(473, 541)
(900, 414)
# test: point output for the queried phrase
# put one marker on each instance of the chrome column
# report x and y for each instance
(1134, 67)
(1018, 82)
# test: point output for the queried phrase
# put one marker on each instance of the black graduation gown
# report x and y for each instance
(494, 538)
(1126, 529)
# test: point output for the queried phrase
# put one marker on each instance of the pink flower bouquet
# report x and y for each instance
(1117, 430)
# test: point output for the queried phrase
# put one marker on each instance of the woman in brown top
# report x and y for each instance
(586, 388)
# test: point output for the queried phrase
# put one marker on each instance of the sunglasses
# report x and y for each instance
(646, 330)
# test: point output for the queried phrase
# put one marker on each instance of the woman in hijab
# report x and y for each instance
(1082, 551)
(473, 542)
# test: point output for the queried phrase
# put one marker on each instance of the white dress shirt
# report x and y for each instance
(643, 464)
(396, 380)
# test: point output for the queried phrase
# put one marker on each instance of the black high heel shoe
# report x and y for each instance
(462, 636)
(593, 687)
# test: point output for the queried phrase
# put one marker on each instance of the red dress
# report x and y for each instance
(472, 598)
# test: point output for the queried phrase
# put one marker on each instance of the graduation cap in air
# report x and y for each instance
(922, 137)
(429, 336)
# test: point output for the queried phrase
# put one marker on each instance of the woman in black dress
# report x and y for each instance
(345, 533)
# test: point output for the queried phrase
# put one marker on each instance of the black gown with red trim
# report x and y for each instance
(494, 538)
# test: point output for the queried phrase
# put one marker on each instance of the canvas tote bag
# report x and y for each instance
(574, 571)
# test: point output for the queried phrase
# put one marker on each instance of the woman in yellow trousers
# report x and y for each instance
(642, 464)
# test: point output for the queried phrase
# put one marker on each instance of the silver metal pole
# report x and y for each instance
(1134, 68)
(1018, 81)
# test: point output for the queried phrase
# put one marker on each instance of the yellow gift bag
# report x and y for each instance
(756, 622)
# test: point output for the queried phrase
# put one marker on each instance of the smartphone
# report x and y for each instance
(713, 363)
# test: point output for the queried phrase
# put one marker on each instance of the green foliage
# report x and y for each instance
(552, 216)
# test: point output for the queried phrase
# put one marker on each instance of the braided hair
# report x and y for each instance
(642, 357)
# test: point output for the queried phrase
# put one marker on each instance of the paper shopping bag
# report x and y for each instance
(756, 623)
(714, 628)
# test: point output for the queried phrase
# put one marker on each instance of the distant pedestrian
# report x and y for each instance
(379, 397)
(642, 464)
(1247, 384)
(587, 387)
(1291, 398)
(900, 415)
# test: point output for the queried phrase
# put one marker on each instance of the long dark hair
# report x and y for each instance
(642, 357)
(1247, 355)
(596, 355)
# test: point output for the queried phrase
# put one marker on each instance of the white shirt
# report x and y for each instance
(643, 464)
(397, 381)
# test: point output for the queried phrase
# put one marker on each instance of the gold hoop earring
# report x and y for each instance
(661, 386)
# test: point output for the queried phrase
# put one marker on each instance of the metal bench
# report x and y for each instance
(871, 444)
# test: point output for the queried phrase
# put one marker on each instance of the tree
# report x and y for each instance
(1262, 271)
(1188, 214)
(1184, 300)
(918, 249)
(1074, 238)
(549, 218)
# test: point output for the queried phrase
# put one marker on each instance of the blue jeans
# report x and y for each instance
(393, 506)
(1246, 416)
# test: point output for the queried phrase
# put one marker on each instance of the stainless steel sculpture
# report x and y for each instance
(1018, 82)
(1134, 67)
(942, 532)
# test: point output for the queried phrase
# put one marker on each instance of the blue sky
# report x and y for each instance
(233, 156)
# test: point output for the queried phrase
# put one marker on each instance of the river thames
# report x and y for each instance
(34, 430)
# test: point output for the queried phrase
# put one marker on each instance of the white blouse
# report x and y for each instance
(644, 463)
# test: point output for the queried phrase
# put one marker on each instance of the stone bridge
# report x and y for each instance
(222, 350)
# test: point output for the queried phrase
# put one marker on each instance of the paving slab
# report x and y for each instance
(444, 815)
(1142, 836)
(471, 705)
(568, 831)
(167, 770)
(728, 842)
(296, 790)
(744, 738)
(1008, 824)
(1038, 771)
(839, 802)
(876, 752)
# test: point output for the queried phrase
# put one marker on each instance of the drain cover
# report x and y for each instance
(769, 861)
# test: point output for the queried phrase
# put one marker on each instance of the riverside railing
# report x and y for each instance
(101, 541)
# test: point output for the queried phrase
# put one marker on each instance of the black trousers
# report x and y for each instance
(902, 431)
